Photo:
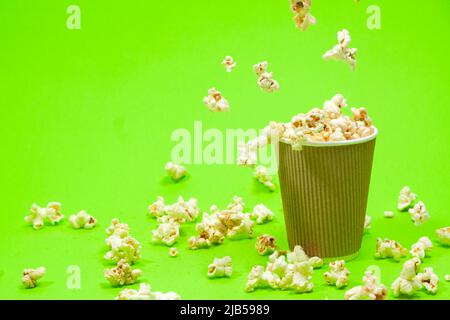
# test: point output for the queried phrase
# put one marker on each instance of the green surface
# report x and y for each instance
(86, 118)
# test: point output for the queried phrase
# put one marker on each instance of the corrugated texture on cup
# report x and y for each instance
(324, 192)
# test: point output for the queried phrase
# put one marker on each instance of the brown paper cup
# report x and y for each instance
(324, 189)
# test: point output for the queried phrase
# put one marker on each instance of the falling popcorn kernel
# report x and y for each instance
(221, 267)
(215, 101)
(341, 51)
(302, 16)
(229, 63)
(31, 276)
(175, 171)
(265, 79)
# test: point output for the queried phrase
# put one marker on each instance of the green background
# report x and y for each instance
(86, 118)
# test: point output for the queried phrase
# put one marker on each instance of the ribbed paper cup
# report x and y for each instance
(324, 188)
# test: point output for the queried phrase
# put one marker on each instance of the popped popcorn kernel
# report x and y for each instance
(173, 252)
(447, 277)
(367, 222)
(265, 78)
(265, 244)
(229, 63)
(444, 235)
(38, 216)
(122, 274)
(261, 214)
(429, 280)
(215, 101)
(371, 290)
(261, 174)
(302, 18)
(181, 211)
(175, 171)
(388, 214)
(31, 276)
(405, 199)
(421, 247)
(145, 293)
(260, 67)
(389, 249)
(117, 229)
(419, 213)
(338, 274)
(341, 51)
(221, 267)
(127, 248)
(82, 220)
(408, 283)
(167, 233)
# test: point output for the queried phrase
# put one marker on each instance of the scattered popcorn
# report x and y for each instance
(429, 280)
(388, 214)
(389, 249)
(167, 233)
(316, 126)
(122, 245)
(341, 51)
(419, 249)
(82, 220)
(265, 244)
(265, 79)
(262, 214)
(367, 222)
(215, 102)
(447, 277)
(444, 235)
(419, 213)
(302, 16)
(180, 212)
(405, 199)
(371, 290)
(264, 178)
(173, 252)
(229, 63)
(220, 268)
(38, 216)
(338, 274)
(31, 276)
(285, 270)
(408, 282)
(122, 274)
(175, 171)
(145, 293)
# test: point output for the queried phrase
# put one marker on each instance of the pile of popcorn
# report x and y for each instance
(122, 245)
(302, 16)
(170, 217)
(328, 124)
(342, 51)
(145, 293)
(371, 290)
(285, 270)
(50, 214)
(265, 79)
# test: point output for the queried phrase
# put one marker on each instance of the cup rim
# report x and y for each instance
(341, 143)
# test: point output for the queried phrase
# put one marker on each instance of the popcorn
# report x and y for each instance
(405, 199)
(419, 249)
(367, 222)
(229, 63)
(145, 293)
(180, 212)
(389, 249)
(157, 208)
(338, 274)
(447, 277)
(215, 102)
(31, 276)
(38, 216)
(173, 252)
(341, 51)
(264, 178)
(371, 290)
(388, 214)
(221, 267)
(167, 233)
(316, 126)
(82, 220)
(408, 282)
(302, 16)
(284, 270)
(429, 280)
(265, 244)
(175, 171)
(444, 235)
(116, 232)
(262, 214)
(419, 213)
(127, 248)
(122, 274)
(265, 79)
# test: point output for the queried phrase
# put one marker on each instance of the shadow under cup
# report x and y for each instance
(324, 189)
